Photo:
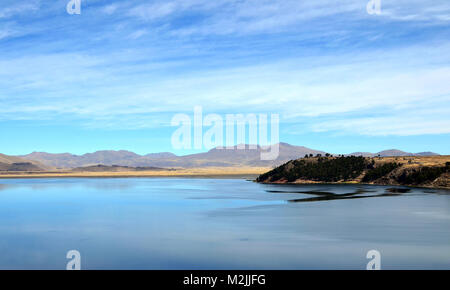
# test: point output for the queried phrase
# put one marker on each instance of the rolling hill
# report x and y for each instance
(215, 157)
(423, 171)
(13, 163)
(392, 152)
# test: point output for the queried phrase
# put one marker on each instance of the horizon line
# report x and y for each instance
(234, 147)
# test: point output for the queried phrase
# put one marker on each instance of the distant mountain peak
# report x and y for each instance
(427, 153)
(219, 157)
(392, 152)
(161, 155)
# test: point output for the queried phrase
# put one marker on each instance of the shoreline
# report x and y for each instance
(353, 183)
(192, 172)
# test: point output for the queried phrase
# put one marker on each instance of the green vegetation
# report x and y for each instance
(361, 169)
(380, 171)
(422, 175)
(321, 169)
(350, 168)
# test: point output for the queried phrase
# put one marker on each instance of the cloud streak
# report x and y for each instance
(125, 64)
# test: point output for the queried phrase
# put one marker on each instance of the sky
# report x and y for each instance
(112, 78)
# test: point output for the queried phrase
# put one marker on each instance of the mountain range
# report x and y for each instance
(14, 163)
(392, 152)
(215, 157)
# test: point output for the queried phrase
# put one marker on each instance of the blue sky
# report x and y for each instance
(113, 77)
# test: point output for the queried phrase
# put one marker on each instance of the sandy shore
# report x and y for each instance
(191, 172)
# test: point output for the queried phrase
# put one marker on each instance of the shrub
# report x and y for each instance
(421, 175)
(325, 169)
(380, 171)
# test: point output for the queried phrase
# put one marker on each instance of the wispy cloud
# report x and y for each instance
(11, 9)
(138, 33)
(110, 9)
(330, 66)
(416, 10)
(153, 11)
(223, 17)
(400, 124)
(6, 32)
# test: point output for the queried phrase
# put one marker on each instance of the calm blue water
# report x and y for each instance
(181, 223)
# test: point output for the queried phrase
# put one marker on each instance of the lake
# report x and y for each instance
(205, 223)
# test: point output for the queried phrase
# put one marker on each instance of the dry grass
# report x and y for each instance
(213, 171)
(439, 160)
(216, 171)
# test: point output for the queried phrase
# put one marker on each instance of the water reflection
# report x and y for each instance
(398, 190)
(342, 196)
(41, 184)
(183, 223)
(358, 193)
